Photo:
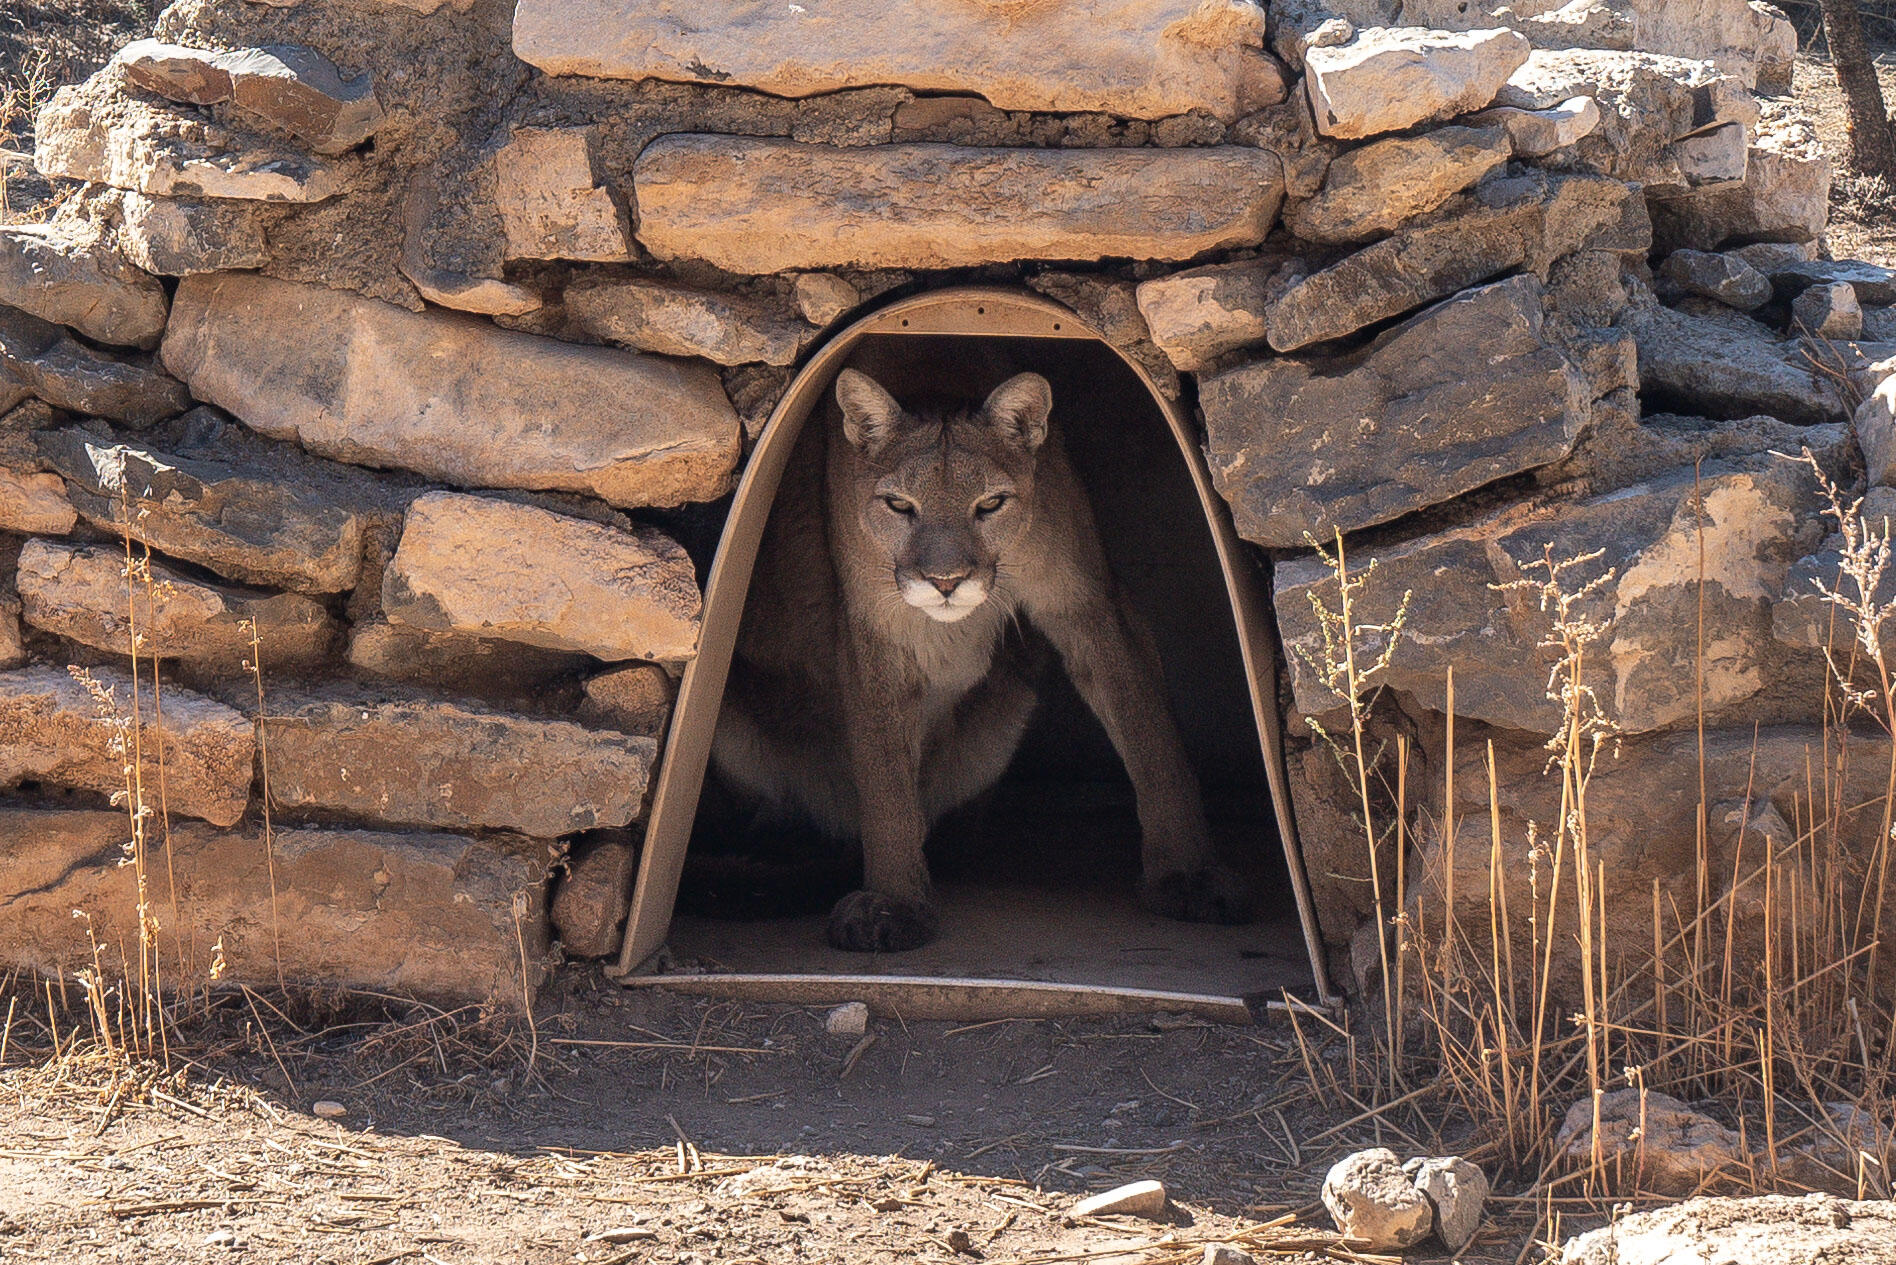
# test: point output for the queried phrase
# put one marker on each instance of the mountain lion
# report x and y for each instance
(876, 685)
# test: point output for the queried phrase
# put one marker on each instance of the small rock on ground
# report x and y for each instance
(1374, 1202)
(1136, 1199)
(851, 1019)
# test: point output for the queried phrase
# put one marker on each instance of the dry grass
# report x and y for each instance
(1766, 991)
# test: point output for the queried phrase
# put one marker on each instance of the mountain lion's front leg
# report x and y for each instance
(882, 715)
(1114, 666)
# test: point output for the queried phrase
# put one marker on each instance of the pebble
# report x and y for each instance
(851, 1019)
(1225, 1254)
(221, 1238)
(1136, 1199)
(622, 1234)
(330, 1110)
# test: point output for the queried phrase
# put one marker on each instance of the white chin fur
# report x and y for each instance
(927, 599)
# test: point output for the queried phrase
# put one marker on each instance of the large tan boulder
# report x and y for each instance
(55, 730)
(1388, 79)
(439, 916)
(81, 592)
(428, 762)
(1142, 59)
(762, 206)
(449, 396)
(490, 568)
(69, 276)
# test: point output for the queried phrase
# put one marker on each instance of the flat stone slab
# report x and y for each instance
(1757, 521)
(1141, 59)
(425, 915)
(1525, 221)
(763, 206)
(175, 237)
(677, 320)
(247, 524)
(80, 592)
(71, 277)
(425, 762)
(490, 568)
(53, 730)
(1302, 450)
(293, 87)
(450, 396)
(1389, 79)
(43, 360)
(1730, 367)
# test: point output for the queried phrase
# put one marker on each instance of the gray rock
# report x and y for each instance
(67, 274)
(1767, 1230)
(1871, 282)
(426, 762)
(1875, 426)
(1784, 197)
(1226, 1254)
(1370, 191)
(1728, 368)
(54, 730)
(1803, 617)
(80, 592)
(1518, 222)
(38, 358)
(1375, 1204)
(1659, 1143)
(247, 524)
(1719, 156)
(1760, 517)
(1770, 257)
(1727, 278)
(1457, 1190)
(1302, 449)
(1828, 310)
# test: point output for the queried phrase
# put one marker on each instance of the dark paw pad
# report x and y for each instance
(1213, 894)
(870, 922)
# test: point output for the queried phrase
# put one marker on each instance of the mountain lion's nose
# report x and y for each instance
(948, 582)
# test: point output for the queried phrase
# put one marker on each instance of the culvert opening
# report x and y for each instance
(1036, 880)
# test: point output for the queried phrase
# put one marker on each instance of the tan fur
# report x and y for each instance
(872, 689)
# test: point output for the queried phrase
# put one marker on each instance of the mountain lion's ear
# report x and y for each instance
(1019, 408)
(869, 412)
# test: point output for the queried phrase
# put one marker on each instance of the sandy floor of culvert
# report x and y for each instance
(928, 1142)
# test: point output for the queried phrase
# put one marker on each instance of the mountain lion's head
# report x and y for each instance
(944, 494)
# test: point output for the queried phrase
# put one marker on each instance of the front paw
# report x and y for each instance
(870, 922)
(1211, 894)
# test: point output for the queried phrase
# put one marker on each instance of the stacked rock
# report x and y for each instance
(393, 331)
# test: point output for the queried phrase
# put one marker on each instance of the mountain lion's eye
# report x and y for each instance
(899, 505)
(991, 504)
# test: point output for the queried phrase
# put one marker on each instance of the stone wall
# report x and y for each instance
(406, 332)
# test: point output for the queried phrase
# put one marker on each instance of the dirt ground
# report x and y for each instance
(661, 1128)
